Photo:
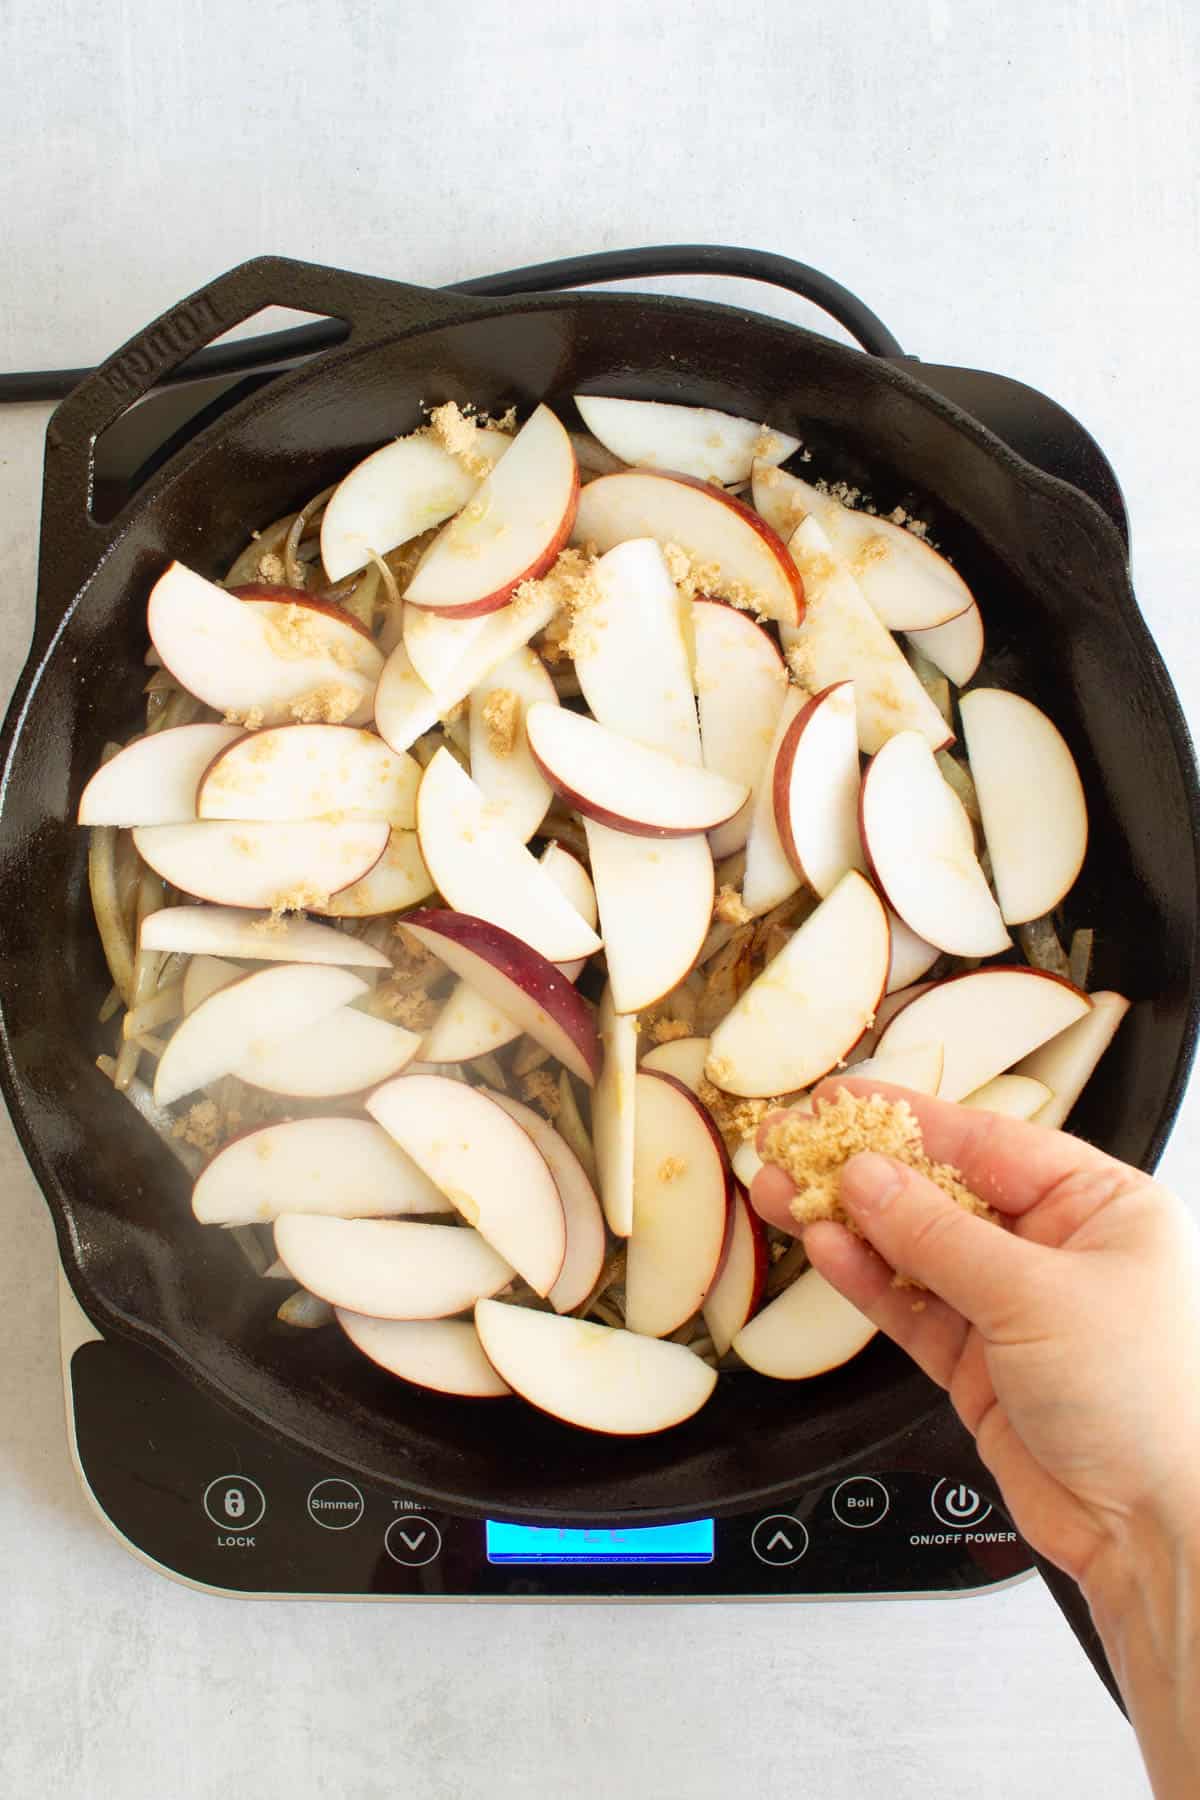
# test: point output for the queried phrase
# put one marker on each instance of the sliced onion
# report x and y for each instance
(158, 1119)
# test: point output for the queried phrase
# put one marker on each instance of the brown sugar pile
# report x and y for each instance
(813, 1148)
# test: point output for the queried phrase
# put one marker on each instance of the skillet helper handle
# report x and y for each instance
(941, 1445)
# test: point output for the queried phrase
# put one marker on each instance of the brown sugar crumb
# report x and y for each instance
(330, 704)
(507, 421)
(252, 718)
(570, 584)
(731, 908)
(694, 579)
(411, 1007)
(541, 1089)
(271, 568)
(292, 900)
(456, 432)
(813, 1148)
(200, 1126)
(502, 720)
(800, 666)
(734, 1118)
(294, 634)
(671, 1168)
(666, 1031)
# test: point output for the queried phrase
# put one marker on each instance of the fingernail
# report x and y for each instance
(869, 1182)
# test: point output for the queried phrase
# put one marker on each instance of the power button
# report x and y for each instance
(954, 1503)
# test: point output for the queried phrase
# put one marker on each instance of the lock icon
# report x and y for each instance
(235, 1500)
(235, 1503)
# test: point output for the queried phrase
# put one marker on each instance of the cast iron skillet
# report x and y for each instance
(1062, 625)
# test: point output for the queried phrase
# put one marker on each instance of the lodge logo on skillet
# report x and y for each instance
(184, 329)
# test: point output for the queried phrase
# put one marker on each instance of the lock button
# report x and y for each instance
(234, 1502)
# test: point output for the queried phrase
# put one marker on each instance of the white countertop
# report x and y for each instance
(1009, 186)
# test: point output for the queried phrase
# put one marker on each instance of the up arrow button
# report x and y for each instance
(779, 1540)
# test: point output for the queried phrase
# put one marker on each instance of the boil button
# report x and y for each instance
(779, 1540)
(860, 1502)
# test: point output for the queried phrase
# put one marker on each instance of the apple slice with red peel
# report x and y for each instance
(746, 1162)
(349, 1168)
(621, 783)
(813, 1001)
(1030, 799)
(815, 789)
(443, 1355)
(515, 979)
(630, 652)
(268, 658)
(713, 528)
(741, 684)
(736, 1294)
(1015, 1096)
(405, 707)
(586, 1241)
(684, 1058)
(885, 1012)
(509, 532)
(690, 440)
(502, 766)
(395, 494)
(298, 863)
(389, 1268)
(228, 931)
(215, 1038)
(206, 975)
(347, 1053)
(311, 772)
(771, 877)
(956, 648)
(1065, 1063)
(985, 1021)
(921, 848)
(485, 1163)
(437, 643)
(916, 1066)
(614, 1099)
(908, 585)
(480, 867)
(841, 639)
(682, 1191)
(912, 957)
(655, 897)
(590, 1375)
(398, 880)
(573, 881)
(153, 781)
(807, 1330)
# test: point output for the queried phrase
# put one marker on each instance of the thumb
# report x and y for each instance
(974, 1264)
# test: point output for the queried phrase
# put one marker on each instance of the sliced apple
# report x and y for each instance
(746, 1162)
(443, 1355)
(502, 766)
(922, 851)
(228, 931)
(912, 957)
(590, 1375)
(348, 1168)
(488, 1166)
(469, 1024)
(586, 1241)
(614, 1100)
(682, 1191)
(311, 772)
(515, 979)
(908, 585)
(1016, 1096)
(812, 1002)
(684, 1058)
(214, 1039)
(986, 1021)
(956, 648)
(915, 1066)
(736, 1294)
(511, 531)
(480, 867)
(630, 652)
(153, 781)
(295, 864)
(771, 877)
(807, 1330)
(1065, 1063)
(1030, 798)
(815, 789)
(272, 659)
(741, 685)
(437, 642)
(689, 440)
(395, 494)
(205, 975)
(389, 1268)
(621, 783)
(749, 559)
(398, 880)
(347, 1053)
(405, 707)
(655, 897)
(841, 639)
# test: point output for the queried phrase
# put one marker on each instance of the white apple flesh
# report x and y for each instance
(736, 1293)
(584, 1219)
(771, 877)
(311, 772)
(815, 784)
(1015, 1096)
(591, 1376)
(684, 1058)
(348, 1168)
(502, 766)
(389, 1268)
(395, 494)
(153, 781)
(682, 1191)
(917, 1066)
(347, 1053)
(228, 931)
(685, 440)
(655, 897)
(806, 1331)
(1065, 1063)
(985, 1021)
(956, 648)
(398, 880)
(205, 975)
(443, 1355)
(912, 957)
(299, 863)
(614, 1101)
(630, 654)
(741, 684)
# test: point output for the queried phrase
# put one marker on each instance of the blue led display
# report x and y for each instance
(690, 1543)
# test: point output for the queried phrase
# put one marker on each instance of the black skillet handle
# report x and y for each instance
(942, 1446)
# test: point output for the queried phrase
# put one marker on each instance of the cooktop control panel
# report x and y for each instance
(216, 1502)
